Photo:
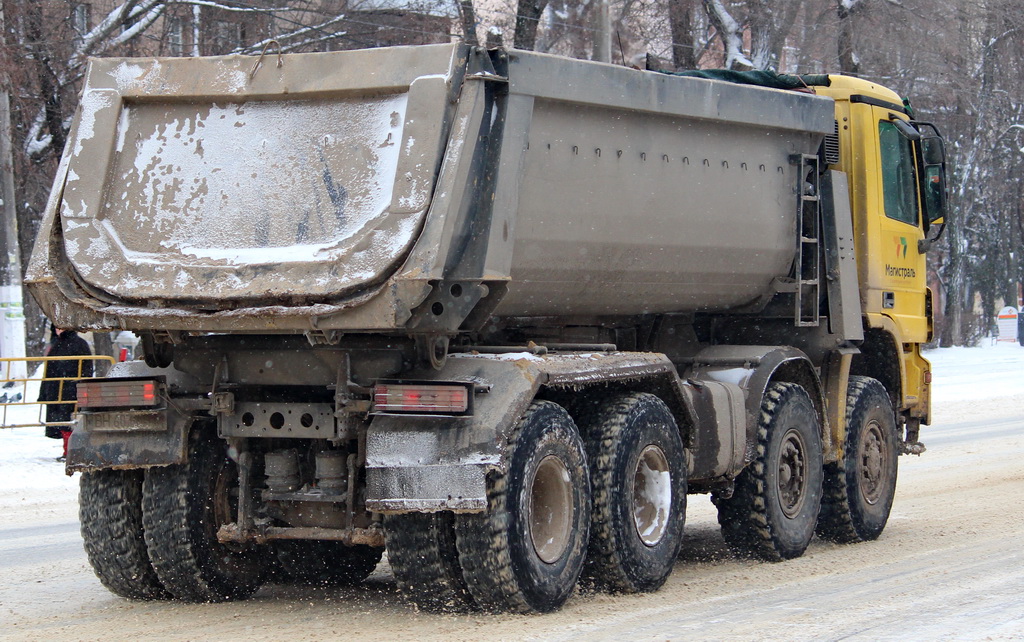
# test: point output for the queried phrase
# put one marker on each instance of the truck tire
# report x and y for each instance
(638, 481)
(860, 487)
(110, 511)
(773, 510)
(324, 563)
(527, 551)
(425, 561)
(182, 507)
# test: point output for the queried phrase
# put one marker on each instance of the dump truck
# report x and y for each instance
(494, 312)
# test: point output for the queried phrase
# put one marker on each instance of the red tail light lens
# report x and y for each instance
(421, 398)
(141, 393)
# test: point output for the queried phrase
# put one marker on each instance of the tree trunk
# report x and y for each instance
(730, 32)
(467, 15)
(528, 15)
(49, 90)
(680, 22)
(971, 197)
(848, 62)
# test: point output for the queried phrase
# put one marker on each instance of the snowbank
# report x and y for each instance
(991, 371)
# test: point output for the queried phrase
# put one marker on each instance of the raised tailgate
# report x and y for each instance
(197, 181)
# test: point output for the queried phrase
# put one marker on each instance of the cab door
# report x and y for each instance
(897, 283)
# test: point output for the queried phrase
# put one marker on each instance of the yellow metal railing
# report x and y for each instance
(20, 391)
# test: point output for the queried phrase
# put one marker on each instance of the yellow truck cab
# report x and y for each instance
(896, 198)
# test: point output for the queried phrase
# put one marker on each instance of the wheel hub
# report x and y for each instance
(872, 462)
(792, 479)
(652, 495)
(551, 510)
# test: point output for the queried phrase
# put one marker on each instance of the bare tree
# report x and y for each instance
(683, 19)
(770, 24)
(528, 14)
(467, 16)
(567, 28)
(730, 32)
(848, 60)
(765, 24)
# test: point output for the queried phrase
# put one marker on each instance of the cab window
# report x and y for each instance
(899, 185)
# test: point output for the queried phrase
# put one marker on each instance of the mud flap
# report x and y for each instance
(128, 439)
(432, 463)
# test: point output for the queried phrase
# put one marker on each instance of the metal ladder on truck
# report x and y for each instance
(808, 258)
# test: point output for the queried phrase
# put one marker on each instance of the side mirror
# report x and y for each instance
(932, 172)
(934, 193)
(933, 149)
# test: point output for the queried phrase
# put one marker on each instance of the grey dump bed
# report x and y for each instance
(189, 180)
(356, 190)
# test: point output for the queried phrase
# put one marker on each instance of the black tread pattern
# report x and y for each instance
(836, 520)
(110, 512)
(423, 556)
(746, 525)
(486, 550)
(835, 523)
(483, 543)
(604, 566)
(603, 424)
(182, 543)
(327, 563)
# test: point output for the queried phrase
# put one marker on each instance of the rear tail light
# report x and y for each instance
(137, 393)
(445, 399)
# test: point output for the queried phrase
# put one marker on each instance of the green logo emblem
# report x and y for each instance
(901, 247)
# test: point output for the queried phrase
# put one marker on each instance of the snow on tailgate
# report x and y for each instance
(236, 193)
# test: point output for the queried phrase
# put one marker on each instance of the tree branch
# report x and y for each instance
(730, 32)
(258, 46)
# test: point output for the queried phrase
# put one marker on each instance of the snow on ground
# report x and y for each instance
(29, 470)
(994, 370)
(966, 380)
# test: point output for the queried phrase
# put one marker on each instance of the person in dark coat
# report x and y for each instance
(63, 343)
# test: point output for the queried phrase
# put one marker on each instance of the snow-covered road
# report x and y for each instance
(950, 565)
